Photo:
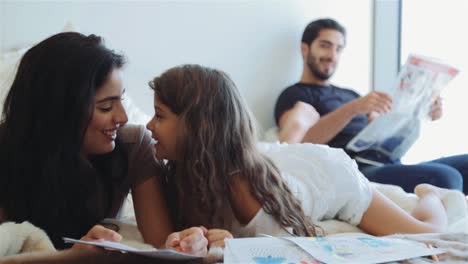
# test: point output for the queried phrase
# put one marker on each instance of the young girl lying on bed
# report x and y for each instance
(218, 178)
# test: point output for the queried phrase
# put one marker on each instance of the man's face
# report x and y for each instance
(324, 53)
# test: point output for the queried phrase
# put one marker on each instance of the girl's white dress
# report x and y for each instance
(325, 180)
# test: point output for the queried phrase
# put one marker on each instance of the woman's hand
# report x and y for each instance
(191, 241)
(98, 232)
(216, 237)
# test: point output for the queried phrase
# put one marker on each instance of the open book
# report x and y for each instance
(339, 248)
(418, 84)
(168, 254)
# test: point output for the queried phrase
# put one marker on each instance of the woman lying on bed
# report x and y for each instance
(67, 161)
(221, 179)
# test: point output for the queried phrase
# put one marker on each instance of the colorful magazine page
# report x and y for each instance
(416, 87)
(265, 250)
(342, 248)
(362, 248)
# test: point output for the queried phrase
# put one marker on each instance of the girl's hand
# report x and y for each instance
(191, 241)
(98, 232)
(216, 237)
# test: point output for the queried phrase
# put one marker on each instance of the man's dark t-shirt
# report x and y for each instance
(324, 99)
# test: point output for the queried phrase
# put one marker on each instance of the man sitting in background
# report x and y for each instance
(313, 110)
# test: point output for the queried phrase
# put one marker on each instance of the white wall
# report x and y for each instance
(256, 42)
(2, 24)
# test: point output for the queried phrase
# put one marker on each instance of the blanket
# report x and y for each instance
(21, 238)
(24, 237)
(455, 203)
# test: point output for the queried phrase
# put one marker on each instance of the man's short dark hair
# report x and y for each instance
(313, 29)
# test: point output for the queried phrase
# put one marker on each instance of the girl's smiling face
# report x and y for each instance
(164, 126)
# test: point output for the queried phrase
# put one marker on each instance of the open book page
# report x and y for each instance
(362, 248)
(413, 93)
(263, 250)
(168, 254)
(341, 248)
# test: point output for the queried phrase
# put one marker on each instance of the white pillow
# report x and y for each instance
(9, 62)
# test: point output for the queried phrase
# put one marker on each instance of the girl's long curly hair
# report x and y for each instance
(217, 142)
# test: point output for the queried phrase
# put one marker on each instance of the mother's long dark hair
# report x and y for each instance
(217, 142)
(44, 118)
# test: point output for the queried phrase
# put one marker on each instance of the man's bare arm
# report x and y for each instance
(294, 123)
(329, 126)
(302, 123)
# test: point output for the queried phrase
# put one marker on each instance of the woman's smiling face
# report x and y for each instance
(108, 115)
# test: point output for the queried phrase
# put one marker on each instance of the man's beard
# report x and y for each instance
(312, 63)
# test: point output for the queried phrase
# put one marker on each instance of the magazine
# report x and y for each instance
(418, 84)
(168, 254)
(340, 248)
